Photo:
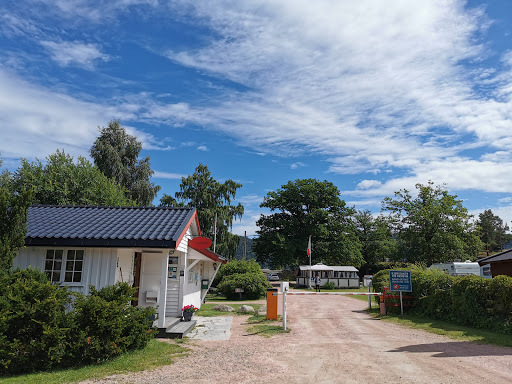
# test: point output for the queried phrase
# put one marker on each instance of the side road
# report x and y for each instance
(333, 340)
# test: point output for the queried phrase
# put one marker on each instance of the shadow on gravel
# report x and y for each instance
(456, 349)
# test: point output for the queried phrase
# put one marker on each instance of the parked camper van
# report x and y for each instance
(459, 268)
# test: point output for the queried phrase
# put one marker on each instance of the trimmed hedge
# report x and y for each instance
(41, 330)
(254, 285)
(466, 300)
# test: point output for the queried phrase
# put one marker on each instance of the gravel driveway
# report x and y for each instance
(333, 340)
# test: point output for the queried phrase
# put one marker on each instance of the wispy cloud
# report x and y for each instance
(203, 148)
(168, 175)
(67, 53)
(296, 165)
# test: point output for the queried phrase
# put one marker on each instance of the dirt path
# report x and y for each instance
(333, 340)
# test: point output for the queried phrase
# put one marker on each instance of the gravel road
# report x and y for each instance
(333, 340)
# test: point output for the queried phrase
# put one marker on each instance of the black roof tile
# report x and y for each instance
(106, 226)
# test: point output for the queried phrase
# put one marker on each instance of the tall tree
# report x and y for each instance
(62, 181)
(492, 231)
(375, 237)
(13, 219)
(304, 208)
(211, 199)
(432, 227)
(116, 154)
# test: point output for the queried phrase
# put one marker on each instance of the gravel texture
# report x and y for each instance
(332, 340)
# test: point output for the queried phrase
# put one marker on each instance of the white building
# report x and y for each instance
(151, 248)
(341, 276)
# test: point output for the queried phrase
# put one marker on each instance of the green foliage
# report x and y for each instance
(303, 208)
(254, 285)
(433, 227)
(13, 218)
(329, 285)
(34, 328)
(61, 181)
(465, 300)
(116, 154)
(375, 237)
(210, 198)
(492, 231)
(106, 325)
(40, 331)
(237, 266)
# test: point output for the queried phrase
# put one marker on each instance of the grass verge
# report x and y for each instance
(453, 331)
(266, 328)
(207, 309)
(156, 354)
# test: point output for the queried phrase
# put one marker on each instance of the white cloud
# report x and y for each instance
(67, 53)
(367, 184)
(296, 165)
(168, 175)
(203, 148)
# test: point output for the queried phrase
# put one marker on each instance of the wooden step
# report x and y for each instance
(176, 329)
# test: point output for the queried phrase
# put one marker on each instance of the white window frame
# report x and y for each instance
(63, 267)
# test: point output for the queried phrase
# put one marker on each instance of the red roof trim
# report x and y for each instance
(194, 217)
(210, 255)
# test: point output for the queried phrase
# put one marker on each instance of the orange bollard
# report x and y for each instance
(271, 303)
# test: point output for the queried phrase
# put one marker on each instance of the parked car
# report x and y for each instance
(273, 277)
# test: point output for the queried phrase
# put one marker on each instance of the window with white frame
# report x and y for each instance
(64, 265)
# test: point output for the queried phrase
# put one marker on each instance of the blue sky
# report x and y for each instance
(373, 96)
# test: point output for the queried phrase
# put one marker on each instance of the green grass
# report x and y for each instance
(267, 328)
(155, 354)
(206, 309)
(453, 331)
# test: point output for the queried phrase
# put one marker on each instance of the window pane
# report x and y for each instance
(78, 266)
(71, 254)
(79, 255)
(77, 277)
(68, 277)
(56, 276)
(58, 254)
(69, 265)
(57, 265)
(48, 265)
(50, 253)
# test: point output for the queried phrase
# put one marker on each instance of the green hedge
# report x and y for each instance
(41, 330)
(254, 285)
(466, 300)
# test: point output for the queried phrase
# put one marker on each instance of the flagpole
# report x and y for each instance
(309, 253)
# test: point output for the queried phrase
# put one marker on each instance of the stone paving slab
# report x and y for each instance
(211, 328)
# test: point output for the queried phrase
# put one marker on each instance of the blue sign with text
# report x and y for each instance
(400, 281)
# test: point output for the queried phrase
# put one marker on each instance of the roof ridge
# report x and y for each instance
(106, 207)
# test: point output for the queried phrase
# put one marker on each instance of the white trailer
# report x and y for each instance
(459, 268)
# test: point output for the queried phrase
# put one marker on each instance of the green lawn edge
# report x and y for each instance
(155, 354)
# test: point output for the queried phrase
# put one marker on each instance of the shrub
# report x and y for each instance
(39, 330)
(34, 326)
(329, 285)
(106, 325)
(237, 266)
(254, 285)
(466, 300)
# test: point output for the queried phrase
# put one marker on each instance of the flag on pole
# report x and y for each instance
(309, 247)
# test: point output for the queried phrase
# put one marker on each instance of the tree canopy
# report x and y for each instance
(492, 231)
(13, 218)
(210, 198)
(303, 208)
(375, 237)
(62, 181)
(116, 154)
(432, 227)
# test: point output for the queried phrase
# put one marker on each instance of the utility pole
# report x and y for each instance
(245, 245)
(215, 233)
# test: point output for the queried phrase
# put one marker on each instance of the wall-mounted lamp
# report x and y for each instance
(171, 251)
(214, 266)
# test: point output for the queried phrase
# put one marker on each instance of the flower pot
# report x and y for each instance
(187, 316)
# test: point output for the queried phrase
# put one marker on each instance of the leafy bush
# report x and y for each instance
(39, 330)
(329, 285)
(254, 285)
(34, 326)
(106, 325)
(466, 300)
(236, 266)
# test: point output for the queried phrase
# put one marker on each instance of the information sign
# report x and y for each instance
(400, 281)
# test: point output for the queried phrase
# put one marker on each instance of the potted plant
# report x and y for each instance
(188, 311)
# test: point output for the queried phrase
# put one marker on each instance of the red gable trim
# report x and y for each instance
(192, 219)
(210, 255)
